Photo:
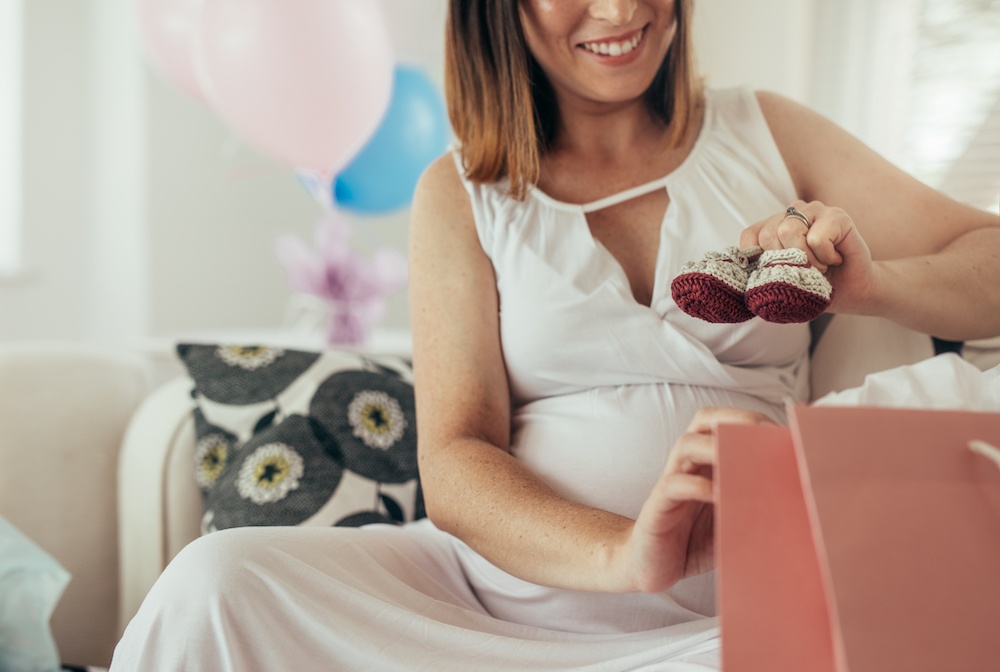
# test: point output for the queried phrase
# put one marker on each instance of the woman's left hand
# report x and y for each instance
(833, 244)
(673, 536)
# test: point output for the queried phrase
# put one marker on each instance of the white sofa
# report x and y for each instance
(68, 415)
(63, 410)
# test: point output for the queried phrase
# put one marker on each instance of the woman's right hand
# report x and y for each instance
(672, 538)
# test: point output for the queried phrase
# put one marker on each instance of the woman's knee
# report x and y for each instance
(216, 563)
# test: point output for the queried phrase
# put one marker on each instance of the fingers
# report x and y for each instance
(670, 498)
(828, 227)
(691, 452)
(749, 236)
(707, 418)
(694, 451)
(695, 448)
(827, 236)
(779, 232)
(688, 488)
(790, 231)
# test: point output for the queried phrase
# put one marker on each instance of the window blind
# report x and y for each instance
(953, 130)
(919, 81)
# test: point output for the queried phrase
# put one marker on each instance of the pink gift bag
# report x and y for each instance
(860, 540)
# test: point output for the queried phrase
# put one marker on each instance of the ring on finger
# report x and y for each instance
(797, 214)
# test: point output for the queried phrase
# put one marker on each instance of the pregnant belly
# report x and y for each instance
(606, 447)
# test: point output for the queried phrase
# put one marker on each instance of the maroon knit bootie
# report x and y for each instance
(712, 289)
(785, 288)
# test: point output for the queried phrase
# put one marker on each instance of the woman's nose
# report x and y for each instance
(613, 11)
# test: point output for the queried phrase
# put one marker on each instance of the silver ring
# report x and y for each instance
(792, 212)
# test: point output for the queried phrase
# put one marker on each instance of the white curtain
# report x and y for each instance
(918, 81)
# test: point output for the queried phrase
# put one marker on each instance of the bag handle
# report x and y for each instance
(986, 450)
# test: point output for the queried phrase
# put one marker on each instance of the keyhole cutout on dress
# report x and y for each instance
(631, 232)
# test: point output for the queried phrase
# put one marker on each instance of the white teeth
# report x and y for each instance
(614, 48)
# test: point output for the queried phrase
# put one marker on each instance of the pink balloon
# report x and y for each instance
(306, 81)
(167, 30)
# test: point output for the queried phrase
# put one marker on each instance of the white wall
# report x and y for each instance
(11, 76)
(83, 178)
(48, 300)
(766, 44)
(118, 284)
(144, 215)
(214, 209)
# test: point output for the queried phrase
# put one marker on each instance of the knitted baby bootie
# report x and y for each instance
(785, 288)
(712, 289)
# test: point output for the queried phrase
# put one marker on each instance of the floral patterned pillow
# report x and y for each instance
(288, 437)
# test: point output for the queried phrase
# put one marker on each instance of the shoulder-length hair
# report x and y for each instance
(502, 107)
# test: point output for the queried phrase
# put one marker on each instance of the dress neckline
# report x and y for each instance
(642, 189)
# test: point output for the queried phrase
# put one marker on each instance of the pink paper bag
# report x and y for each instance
(861, 540)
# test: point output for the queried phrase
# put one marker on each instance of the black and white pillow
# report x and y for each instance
(288, 437)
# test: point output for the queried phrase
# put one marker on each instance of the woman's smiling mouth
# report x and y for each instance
(615, 47)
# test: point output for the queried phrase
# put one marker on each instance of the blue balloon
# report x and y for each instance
(413, 133)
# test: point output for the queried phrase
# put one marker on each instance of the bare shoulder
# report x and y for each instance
(440, 188)
(441, 218)
(799, 133)
(785, 115)
(775, 104)
(896, 214)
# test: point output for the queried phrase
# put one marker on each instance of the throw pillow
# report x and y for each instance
(288, 437)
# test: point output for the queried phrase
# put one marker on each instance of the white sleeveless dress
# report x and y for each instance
(601, 386)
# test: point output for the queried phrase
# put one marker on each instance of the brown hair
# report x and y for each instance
(502, 107)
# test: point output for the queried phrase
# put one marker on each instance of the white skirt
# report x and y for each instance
(376, 598)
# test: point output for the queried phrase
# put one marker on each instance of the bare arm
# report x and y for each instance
(473, 487)
(932, 264)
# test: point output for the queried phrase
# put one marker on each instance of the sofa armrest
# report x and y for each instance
(63, 410)
(159, 504)
(852, 346)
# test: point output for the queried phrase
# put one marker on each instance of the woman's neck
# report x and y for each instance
(609, 134)
(599, 152)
